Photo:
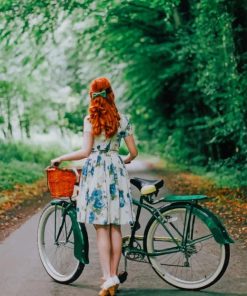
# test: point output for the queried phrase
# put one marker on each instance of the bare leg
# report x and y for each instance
(116, 248)
(104, 248)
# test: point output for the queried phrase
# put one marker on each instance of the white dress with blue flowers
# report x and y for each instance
(105, 194)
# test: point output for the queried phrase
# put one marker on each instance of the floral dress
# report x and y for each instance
(105, 194)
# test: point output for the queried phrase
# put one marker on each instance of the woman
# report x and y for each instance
(105, 196)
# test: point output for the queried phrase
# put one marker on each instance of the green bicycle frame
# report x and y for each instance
(217, 229)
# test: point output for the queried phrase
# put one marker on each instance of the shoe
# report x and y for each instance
(112, 290)
(104, 292)
(116, 281)
(108, 288)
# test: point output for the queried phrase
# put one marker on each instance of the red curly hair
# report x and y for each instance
(103, 113)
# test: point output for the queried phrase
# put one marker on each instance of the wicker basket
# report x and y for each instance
(61, 181)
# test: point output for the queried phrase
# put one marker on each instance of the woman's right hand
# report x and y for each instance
(126, 161)
(56, 161)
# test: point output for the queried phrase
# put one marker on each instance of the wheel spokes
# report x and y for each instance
(199, 254)
(58, 245)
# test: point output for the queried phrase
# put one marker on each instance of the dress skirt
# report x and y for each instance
(105, 194)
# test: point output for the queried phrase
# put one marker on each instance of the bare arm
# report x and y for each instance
(130, 142)
(88, 140)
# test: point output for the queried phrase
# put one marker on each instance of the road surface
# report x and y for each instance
(23, 275)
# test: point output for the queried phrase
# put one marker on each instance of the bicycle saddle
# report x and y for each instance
(147, 186)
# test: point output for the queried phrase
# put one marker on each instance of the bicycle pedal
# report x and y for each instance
(123, 276)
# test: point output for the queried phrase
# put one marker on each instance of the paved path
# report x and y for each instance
(23, 275)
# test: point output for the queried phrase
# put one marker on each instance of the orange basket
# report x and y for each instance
(61, 181)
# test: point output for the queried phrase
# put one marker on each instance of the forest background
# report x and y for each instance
(178, 68)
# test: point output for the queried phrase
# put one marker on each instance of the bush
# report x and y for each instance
(19, 172)
(21, 163)
(24, 152)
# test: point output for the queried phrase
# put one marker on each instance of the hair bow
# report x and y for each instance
(101, 94)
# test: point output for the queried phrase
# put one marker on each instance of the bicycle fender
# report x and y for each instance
(211, 220)
(215, 225)
(81, 245)
(81, 238)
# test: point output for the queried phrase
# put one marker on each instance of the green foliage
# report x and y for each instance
(181, 69)
(22, 163)
(223, 174)
(75, 118)
(123, 150)
(26, 153)
(228, 176)
(19, 172)
(178, 65)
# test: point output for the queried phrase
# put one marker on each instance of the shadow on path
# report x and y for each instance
(165, 292)
(161, 292)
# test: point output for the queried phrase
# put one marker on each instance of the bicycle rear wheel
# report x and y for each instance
(56, 245)
(198, 264)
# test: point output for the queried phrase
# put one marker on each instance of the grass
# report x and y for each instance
(22, 164)
(21, 172)
(222, 175)
(232, 177)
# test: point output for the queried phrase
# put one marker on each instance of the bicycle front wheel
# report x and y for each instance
(191, 264)
(56, 245)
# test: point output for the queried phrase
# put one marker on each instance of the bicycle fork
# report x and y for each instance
(63, 224)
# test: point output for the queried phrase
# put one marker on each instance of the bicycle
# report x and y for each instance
(185, 243)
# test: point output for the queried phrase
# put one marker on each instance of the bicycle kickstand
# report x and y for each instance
(124, 274)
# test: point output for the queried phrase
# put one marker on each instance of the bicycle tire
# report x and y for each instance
(179, 281)
(49, 266)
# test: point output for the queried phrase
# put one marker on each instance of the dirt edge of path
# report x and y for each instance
(13, 216)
